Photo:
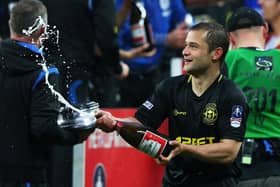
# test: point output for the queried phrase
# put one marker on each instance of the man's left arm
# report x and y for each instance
(223, 152)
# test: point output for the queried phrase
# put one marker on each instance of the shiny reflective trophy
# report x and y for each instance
(82, 119)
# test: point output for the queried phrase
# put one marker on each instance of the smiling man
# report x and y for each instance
(207, 134)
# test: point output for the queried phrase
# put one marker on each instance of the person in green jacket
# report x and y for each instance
(257, 72)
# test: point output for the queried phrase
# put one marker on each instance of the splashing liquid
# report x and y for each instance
(85, 116)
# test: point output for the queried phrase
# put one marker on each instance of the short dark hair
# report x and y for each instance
(24, 14)
(216, 36)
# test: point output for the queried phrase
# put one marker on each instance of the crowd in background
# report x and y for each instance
(89, 52)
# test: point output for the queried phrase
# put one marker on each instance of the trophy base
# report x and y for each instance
(76, 127)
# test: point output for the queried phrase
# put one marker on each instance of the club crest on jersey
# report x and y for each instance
(264, 63)
(236, 116)
(210, 114)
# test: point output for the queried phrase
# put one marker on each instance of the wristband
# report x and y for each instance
(118, 126)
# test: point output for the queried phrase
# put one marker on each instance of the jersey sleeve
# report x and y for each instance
(233, 113)
(155, 109)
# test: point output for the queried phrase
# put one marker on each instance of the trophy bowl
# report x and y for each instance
(82, 120)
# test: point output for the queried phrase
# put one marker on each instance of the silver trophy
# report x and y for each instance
(83, 119)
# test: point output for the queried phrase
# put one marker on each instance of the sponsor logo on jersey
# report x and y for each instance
(210, 114)
(195, 141)
(178, 113)
(264, 63)
(148, 105)
(236, 116)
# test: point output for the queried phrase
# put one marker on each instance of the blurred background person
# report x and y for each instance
(84, 46)
(254, 5)
(5, 8)
(169, 30)
(257, 72)
(212, 10)
(89, 49)
(271, 13)
(92, 58)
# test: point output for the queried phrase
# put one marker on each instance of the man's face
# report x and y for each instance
(197, 59)
(271, 9)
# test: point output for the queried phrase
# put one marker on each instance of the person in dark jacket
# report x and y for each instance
(29, 108)
(169, 31)
(88, 47)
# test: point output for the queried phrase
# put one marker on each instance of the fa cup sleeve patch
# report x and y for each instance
(236, 116)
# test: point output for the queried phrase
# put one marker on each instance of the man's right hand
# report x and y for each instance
(105, 121)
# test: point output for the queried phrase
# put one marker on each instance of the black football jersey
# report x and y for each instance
(220, 113)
